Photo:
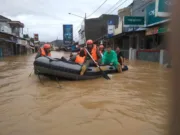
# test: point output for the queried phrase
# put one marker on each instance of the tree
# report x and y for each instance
(25, 36)
(32, 40)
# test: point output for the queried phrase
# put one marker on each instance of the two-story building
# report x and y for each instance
(11, 38)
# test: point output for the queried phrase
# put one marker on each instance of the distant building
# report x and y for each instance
(97, 27)
(11, 38)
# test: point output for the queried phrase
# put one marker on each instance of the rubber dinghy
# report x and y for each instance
(68, 69)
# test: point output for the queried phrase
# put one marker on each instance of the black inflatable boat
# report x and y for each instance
(67, 69)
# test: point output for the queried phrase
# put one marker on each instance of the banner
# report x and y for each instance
(163, 7)
(110, 28)
(36, 37)
(68, 34)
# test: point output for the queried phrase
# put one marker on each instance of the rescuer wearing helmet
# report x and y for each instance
(101, 49)
(94, 51)
(44, 51)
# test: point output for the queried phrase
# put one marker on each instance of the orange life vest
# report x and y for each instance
(43, 53)
(93, 53)
(80, 59)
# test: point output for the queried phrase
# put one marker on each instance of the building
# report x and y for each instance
(11, 38)
(95, 28)
(144, 39)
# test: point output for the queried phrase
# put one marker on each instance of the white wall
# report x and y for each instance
(5, 27)
(119, 29)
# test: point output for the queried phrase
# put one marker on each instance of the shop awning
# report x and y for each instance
(6, 40)
(141, 29)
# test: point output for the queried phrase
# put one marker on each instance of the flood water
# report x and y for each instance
(134, 102)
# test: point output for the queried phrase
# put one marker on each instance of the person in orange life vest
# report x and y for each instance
(94, 51)
(101, 49)
(80, 58)
(44, 51)
(73, 56)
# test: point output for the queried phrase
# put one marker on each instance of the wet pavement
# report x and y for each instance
(134, 102)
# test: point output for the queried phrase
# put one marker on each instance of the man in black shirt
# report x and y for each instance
(120, 56)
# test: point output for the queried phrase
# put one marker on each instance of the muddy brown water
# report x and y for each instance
(134, 102)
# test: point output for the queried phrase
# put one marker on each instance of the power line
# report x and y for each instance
(144, 5)
(98, 8)
(113, 6)
(118, 6)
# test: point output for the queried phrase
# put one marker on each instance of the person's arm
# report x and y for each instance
(104, 57)
(114, 57)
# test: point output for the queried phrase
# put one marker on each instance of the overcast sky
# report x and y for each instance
(47, 17)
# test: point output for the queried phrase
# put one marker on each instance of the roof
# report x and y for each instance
(2, 18)
(16, 23)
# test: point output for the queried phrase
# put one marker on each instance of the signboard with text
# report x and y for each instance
(133, 21)
(36, 37)
(151, 19)
(67, 33)
(110, 28)
(162, 8)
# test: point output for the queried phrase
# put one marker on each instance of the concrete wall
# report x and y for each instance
(165, 58)
(118, 30)
(5, 27)
(138, 7)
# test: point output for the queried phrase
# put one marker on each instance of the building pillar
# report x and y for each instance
(161, 57)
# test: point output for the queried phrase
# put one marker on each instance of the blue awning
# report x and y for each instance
(141, 29)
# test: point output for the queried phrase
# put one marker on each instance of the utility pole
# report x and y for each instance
(85, 29)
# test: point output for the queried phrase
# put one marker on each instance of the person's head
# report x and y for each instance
(109, 48)
(117, 49)
(101, 47)
(47, 47)
(89, 43)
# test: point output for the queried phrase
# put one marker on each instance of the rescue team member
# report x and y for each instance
(101, 49)
(110, 58)
(80, 58)
(120, 56)
(44, 51)
(94, 51)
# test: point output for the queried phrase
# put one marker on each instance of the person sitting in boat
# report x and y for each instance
(44, 51)
(94, 51)
(80, 58)
(101, 49)
(110, 58)
(120, 56)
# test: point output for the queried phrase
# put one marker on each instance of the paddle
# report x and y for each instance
(102, 72)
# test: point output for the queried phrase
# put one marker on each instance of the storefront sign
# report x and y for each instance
(133, 21)
(162, 29)
(36, 37)
(22, 42)
(129, 29)
(151, 19)
(111, 28)
(157, 30)
(152, 31)
(162, 8)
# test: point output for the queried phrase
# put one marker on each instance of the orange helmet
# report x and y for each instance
(89, 42)
(101, 46)
(47, 46)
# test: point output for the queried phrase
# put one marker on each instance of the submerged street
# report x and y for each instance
(134, 102)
